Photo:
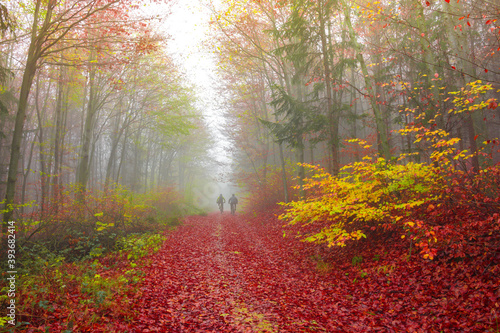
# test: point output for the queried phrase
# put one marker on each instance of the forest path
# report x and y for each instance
(224, 273)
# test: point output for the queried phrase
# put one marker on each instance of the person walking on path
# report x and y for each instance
(233, 201)
(220, 201)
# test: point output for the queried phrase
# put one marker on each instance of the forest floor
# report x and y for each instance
(224, 273)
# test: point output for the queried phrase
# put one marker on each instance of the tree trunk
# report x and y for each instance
(28, 76)
(137, 166)
(26, 175)
(332, 114)
(34, 54)
(384, 149)
(461, 43)
(115, 140)
(283, 173)
(58, 141)
(473, 145)
(122, 155)
(83, 168)
(44, 173)
(301, 173)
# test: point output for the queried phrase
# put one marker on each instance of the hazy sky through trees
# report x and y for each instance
(188, 28)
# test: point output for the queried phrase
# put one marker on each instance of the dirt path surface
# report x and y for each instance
(224, 274)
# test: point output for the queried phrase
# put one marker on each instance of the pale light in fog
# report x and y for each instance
(188, 27)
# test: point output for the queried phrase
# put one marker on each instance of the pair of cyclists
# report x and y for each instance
(232, 202)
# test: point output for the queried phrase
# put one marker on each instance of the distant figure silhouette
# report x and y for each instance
(220, 201)
(233, 201)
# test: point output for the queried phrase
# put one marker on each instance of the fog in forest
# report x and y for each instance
(356, 126)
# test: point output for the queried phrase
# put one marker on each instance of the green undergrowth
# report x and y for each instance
(80, 258)
(81, 291)
(70, 228)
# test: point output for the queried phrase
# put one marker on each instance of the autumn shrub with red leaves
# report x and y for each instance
(465, 221)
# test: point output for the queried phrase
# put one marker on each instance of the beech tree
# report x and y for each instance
(51, 22)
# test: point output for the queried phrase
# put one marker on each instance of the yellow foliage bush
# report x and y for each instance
(366, 194)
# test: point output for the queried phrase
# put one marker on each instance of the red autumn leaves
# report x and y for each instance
(220, 273)
(239, 274)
